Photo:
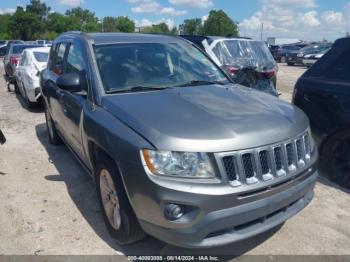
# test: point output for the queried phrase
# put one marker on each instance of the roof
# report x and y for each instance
(108, 38)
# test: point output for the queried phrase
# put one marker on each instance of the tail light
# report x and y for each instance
(14, 60)
(270, 73)
(231, 70)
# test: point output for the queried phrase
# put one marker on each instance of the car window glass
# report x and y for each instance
(58, 66)
(41, 56)
(75, 60)
(340, 69)
(123, 66)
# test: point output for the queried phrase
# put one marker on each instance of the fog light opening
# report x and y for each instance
(174, 211)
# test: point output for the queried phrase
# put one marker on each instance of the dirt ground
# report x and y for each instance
(48, 204)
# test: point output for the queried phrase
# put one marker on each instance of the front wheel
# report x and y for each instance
(119, 217)
(336, 153)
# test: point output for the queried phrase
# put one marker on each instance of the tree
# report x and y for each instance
(109, 24)
(24, 25)
(4, 24)
(220, 24)
(191, 26)
(59, 23)
(38, 8)
(87, 20)
(124, 24)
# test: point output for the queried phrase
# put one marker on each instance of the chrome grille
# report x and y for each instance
(265, 163)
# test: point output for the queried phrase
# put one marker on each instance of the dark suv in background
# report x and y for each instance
(323, 92)
(296, 58)
(284, 51)
(176, 149)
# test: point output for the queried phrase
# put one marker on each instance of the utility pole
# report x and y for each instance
(262, 30)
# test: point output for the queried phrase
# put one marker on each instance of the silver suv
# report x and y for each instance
(176, 149)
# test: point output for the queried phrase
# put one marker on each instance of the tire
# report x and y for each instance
(290, 64)
(283, 59)
(121, 221)
(14, 82)
(51, 129)
(336, 158)
(27, 103)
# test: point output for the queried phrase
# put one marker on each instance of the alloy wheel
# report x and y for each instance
(110, 199)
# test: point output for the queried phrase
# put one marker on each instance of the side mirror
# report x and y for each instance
(70, 82)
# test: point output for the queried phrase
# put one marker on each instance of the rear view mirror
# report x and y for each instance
(2, 138)
(70, 82)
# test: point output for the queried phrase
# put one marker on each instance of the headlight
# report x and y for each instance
(178, 164)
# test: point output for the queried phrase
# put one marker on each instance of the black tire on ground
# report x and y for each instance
(290, 64)
(129, 230)
(335, 157)
(283, 59)
(14, 82)
(51, 129)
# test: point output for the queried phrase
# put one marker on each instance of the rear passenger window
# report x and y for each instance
(75, 60)
(340, 69)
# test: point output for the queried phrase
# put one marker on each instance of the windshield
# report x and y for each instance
(41, 56)
(245, 54)
(17, 49)
(123, 66)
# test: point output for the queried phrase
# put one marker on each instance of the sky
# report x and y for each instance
(309, 20)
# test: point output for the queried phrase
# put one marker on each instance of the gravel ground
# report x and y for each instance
(49, 205)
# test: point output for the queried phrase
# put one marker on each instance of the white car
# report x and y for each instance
(33, 61)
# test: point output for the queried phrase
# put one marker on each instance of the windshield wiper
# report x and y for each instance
(134, 89)
(200, 83)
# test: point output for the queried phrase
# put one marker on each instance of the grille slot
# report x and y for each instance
(248, 165)
(290, 154)
(307, 146)
(264, 162)
(300, 151)
(278, 158)
(267, 163)
(230, 167)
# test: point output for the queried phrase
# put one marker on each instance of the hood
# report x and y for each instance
(209, 118)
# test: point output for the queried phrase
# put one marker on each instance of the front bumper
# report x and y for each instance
(215, 215)
(238, 223)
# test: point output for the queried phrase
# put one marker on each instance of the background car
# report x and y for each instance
(7, 50)
(323, 94)
(297, 58)
(33, 61)
(283, 52)
(2, 50)
(247, 61)
(14, 57)
(309, 60)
